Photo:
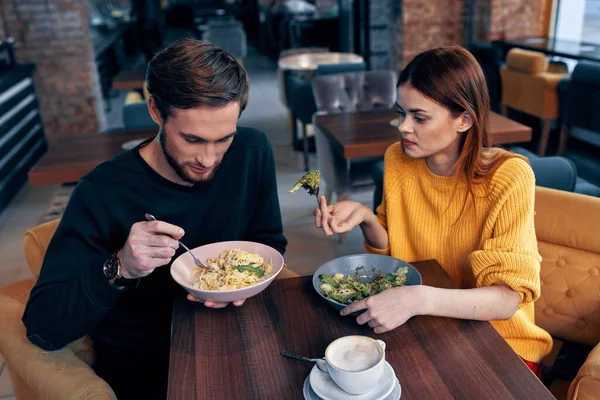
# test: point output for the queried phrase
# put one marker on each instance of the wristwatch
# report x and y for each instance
(112, 273)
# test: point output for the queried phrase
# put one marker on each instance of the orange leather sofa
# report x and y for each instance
(569, 306)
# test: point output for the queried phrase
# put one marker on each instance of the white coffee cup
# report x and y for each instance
(355, 363)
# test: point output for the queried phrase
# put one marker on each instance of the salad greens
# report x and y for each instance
(348, 289)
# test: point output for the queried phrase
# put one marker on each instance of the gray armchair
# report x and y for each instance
(301, 100)
(349, 92)
(228, 34)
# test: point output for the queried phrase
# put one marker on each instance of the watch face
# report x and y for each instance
(111, 267)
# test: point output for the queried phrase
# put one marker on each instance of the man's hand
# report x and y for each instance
(213, 304)
(150, 245)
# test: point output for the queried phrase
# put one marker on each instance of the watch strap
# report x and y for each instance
(115, 278)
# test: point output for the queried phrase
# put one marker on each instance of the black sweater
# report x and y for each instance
(72, 299)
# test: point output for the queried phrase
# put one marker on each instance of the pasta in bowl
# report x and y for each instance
(233, 269)
(241, 270)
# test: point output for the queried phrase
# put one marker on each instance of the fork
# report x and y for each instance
(198, 263)
(318, 203)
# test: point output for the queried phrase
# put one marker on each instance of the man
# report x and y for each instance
(105, 272)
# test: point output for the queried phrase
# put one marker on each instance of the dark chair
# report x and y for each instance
(136, 116)
(301, 101)
(579, 100)
(490, 59)
(283, 75)
(559, 173)
(349, 92)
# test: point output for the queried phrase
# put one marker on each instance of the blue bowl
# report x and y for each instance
(347, 265)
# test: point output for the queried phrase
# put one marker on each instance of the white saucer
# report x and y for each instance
(324, 387)
(309, 393)
(130, 144)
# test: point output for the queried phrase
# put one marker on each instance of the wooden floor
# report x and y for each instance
(23, 213)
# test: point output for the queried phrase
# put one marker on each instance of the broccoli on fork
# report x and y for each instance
(310, 181)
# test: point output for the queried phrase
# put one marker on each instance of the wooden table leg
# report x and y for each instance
(564, 137)
(545, 137)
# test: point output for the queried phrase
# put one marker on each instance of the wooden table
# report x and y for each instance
(370, 133)
(234, 353)
(310, 61)
(68, 159)
(127, 80)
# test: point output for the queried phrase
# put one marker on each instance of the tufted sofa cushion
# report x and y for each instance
(566, 226)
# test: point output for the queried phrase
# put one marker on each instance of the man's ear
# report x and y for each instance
(154, 113)
(465, 122)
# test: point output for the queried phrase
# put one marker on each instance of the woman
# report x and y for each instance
(450, 196)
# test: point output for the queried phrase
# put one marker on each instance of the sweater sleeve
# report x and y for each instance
(381, 217)
(382, 208)
(71, 296)
(510, 255)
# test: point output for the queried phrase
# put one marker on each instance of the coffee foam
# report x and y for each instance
(354, 354)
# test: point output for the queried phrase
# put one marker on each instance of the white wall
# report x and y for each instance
(569, 25)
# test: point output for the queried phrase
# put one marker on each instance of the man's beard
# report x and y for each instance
(179, 167)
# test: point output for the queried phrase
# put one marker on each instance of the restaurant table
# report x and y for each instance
(555, 47)
(70, 158)
(370, 133)
(127, 80)
(234, 353)
(310, 61)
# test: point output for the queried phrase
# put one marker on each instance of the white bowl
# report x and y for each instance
(182, 267)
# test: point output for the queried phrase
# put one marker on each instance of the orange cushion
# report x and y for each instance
(531, 62)
(36, 242)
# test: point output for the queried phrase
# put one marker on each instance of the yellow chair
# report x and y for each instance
(134, 96)
(569, 307)
(38, 374)
(135, 114)
(529, 87)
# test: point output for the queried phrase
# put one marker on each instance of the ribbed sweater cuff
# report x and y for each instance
(375, 250)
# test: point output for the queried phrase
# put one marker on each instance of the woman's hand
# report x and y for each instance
(340, 217)
(390, 308)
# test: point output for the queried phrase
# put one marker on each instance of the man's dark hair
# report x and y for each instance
(191, 73)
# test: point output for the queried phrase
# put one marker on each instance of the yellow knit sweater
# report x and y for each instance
(493, 242)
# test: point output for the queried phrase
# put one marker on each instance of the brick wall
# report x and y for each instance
(54, 36)
(2, 32)
(517, 18)
(428, 24)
